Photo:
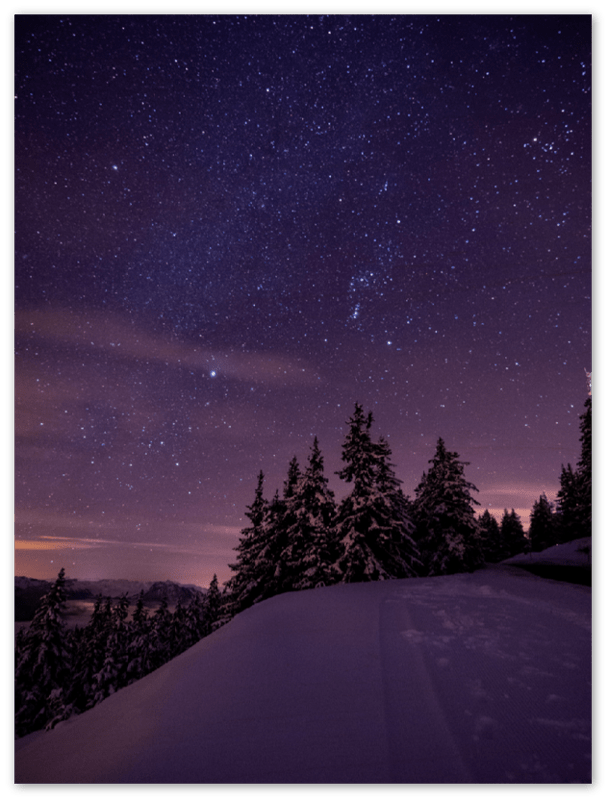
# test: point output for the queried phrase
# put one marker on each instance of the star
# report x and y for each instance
(397, 215)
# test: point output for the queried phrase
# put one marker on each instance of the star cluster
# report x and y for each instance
(231, 228)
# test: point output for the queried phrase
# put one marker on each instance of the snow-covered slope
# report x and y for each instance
(575, 554)
(478, 678)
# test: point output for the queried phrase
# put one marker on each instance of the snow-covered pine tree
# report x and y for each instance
(43, 665)
(447, 531)
(261, 571)
(212, 605)
(273, 577)
(542, 532)
(140, 613)
(514, 539)
(241, 586)
(225, 613)
(89, 655)
(138, 647)
(370, 532)
(121, 635)
(178, 630)
(280, 518)
(356, 561)
(569, 505)
(196, 624)
(585, 469)
(490, 538)
(309, 516)
(273, 559)
(160, 637)
(113, 673)
(393, 516)
(293, 477)
(574, 496)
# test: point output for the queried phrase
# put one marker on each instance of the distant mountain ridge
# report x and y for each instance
(171, 591)
(29, 591)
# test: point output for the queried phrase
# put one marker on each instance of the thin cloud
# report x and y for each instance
(46, 543)
(52, 543)
(113, 335)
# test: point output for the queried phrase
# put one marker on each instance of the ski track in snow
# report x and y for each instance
(518, 691)
(481, 678)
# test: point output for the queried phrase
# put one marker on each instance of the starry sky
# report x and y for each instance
(229, 229)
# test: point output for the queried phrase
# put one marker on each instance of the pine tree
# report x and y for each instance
(89, 655)
(42, 665)
(178, 631)
(121, 635)
(570, 505)
(212, 607)
(243, 587)
(542, 531)
(272, 570)
(512, 534)
(113, 673)
(293, 478)
(196, 620)
(309, 514)
(394, 515)
(356, 562)
(574, 497)
(371, 532)
(138, 646)
(490, 537)
(160, 635)
(585, 468)
(280, 519)
(260, 569)
(447, 530)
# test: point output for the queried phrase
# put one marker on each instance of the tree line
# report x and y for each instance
(301, 539)
(570, 517)
(61, 671)
(304, 538)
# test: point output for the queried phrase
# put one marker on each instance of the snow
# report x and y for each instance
(470, 678)
(576, 554)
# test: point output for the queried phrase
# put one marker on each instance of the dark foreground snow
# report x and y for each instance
(481, 678)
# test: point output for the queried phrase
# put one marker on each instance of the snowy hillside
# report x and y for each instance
(575, 554)
(471, 678)
(570, 562)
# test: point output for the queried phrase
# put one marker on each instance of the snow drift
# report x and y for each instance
(471, 678)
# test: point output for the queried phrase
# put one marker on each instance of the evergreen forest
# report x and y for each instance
(301, 538)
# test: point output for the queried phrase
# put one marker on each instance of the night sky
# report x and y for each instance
(229, 229)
